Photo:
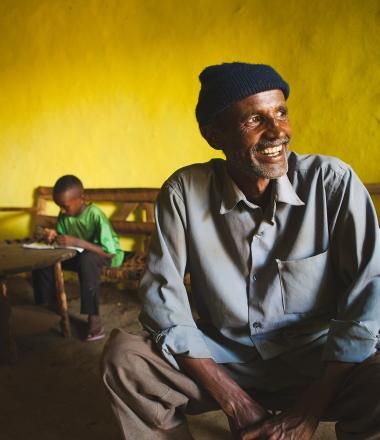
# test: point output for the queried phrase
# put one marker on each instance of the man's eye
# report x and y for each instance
(254, 119)
(282, 113)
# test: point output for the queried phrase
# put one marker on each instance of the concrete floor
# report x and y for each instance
(53, 391)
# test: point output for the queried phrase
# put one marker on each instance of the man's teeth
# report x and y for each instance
(272, 151)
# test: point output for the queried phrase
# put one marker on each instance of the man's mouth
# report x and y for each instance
(273, 148)
(272, 152)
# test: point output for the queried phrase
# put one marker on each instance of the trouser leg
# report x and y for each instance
(149, 397)
(89, 266)
(357, 405)
(44, 286)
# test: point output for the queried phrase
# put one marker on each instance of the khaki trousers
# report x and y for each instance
(150, 398)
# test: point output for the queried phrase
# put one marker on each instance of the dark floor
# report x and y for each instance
(53, 391)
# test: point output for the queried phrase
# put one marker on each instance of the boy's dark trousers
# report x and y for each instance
(88, 265)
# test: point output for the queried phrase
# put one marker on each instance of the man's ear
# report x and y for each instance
(211, 134)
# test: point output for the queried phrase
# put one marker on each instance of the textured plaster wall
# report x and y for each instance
(106, 89)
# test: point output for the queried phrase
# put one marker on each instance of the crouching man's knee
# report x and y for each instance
(121, 354)
(137, 380)
(357, 405)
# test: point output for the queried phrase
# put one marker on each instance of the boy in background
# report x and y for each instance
(81, 225)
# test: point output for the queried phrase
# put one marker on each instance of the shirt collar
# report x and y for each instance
(283, 192)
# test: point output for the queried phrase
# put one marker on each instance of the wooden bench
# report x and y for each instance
(373, 189)
(132, 217)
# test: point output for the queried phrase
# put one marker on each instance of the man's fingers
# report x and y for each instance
(253, 434)
(264, 432)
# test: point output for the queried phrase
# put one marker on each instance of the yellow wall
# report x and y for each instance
(106, 89)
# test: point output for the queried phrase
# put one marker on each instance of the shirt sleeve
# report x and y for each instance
(106, 237)
(355, 246)
(166, 311)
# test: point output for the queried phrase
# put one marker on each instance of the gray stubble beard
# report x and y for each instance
(261, 170)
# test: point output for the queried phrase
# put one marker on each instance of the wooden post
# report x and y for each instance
(62, 300)
(8, 352)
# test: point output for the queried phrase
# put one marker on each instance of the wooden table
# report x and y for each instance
(16, 259)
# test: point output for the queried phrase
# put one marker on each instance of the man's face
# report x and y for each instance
(71, 201)
(254, 134)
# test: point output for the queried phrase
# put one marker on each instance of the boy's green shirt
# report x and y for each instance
(92, 225)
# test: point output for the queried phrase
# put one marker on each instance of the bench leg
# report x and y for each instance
(8, 352)
(62, 300)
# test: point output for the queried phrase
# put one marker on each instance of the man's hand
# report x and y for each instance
(49, 235)
(288, 425)
(67, 240)
(301, 421)
(242, 413)
(241, 410)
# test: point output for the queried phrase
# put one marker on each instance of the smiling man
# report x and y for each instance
(284, 260)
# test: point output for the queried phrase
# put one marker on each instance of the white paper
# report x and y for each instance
(42, 246)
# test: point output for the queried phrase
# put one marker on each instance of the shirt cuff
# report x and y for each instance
(351, 341)
(181, 340)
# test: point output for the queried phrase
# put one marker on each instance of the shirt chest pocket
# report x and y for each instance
(307, 285)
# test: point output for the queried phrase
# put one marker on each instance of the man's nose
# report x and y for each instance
(274, 128)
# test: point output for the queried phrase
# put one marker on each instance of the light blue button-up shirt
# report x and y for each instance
(307, 268)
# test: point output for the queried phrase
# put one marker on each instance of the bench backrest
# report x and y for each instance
(135, 203)
(128, 201)
(373, 188)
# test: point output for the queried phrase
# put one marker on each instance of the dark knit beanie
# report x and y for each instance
(224, 84)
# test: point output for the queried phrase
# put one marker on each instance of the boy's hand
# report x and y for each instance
(49, 235)
(67, 240)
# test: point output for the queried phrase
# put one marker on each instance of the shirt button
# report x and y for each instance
(254, 278)
(256, 325)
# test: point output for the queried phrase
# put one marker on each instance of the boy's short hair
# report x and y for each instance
(66, 183)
